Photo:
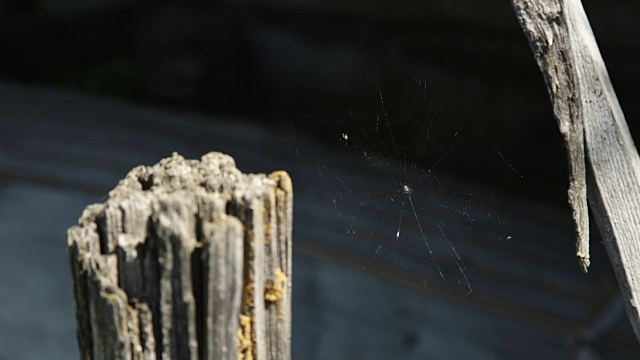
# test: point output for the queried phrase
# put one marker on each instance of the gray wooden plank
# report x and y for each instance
(588, 112)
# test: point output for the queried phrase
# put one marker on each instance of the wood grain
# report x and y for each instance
(589, 116)
(186, 259)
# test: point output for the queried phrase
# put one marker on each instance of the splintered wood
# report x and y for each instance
(591, 120)
(186, 259)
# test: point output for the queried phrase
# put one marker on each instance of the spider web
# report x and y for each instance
(401, 215)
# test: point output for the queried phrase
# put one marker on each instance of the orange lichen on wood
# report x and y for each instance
(274, 292)
(245, 338)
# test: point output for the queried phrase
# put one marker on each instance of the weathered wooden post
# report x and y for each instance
(599, 146)
(186, 259)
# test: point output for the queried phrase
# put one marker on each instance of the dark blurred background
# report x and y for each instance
(462, 66)
(453, 86)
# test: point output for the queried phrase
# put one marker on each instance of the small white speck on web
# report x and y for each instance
(399, 223)
(345, 136)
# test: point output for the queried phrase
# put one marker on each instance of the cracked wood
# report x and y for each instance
(591, 120)
(182, 262)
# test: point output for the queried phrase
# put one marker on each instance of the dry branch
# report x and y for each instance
(589, 117)
(186, 260)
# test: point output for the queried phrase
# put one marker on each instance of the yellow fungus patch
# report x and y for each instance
(275, 291)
